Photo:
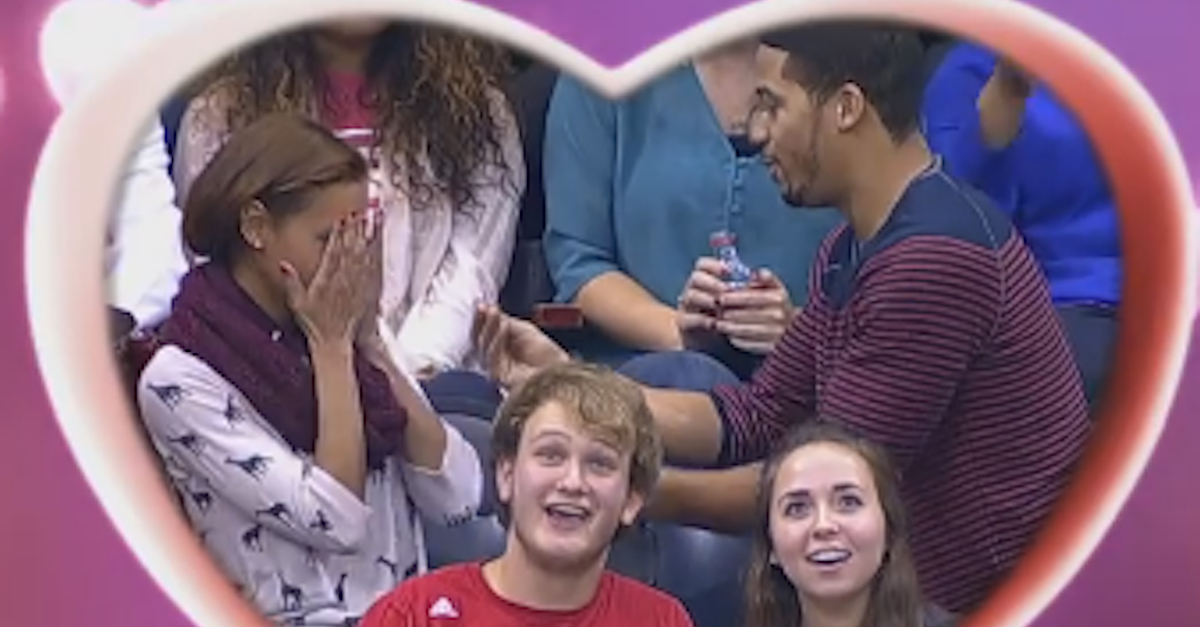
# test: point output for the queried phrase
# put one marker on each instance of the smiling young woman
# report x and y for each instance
(831, 539)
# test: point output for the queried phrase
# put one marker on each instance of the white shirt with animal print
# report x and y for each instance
(296, 542)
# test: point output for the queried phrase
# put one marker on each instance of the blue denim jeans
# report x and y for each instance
(463, 393)
(678, 370)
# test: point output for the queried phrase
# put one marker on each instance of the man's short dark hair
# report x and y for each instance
(885, 60)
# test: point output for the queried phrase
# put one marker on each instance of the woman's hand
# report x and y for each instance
(696, 309)
(344, 290)
(369, 338)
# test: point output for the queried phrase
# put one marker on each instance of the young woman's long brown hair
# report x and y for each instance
(895, 598)
(435, 92)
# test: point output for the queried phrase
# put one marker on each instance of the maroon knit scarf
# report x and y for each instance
(213, 319)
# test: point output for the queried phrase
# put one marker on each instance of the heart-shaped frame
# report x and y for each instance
(87, 149)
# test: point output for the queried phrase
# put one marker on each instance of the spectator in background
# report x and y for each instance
(1000, 131)
(831, 539)
(144, 255)
(425, 107)
(302, 451)
(576, 458)
(145, 258)
(635, 188)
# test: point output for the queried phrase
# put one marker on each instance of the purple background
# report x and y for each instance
(54, 539)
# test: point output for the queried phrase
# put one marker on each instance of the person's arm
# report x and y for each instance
(629, 313)
(442, 473)
(689, 424)
(731, 427)
(720, 500)
(203, 426)
(781, 394)
(969, 120)
(341, 443)
(453, 490)
(424, 432)
(436, 334)
(926, 308)
(1001, 106)
(580, 242)
(147, 258)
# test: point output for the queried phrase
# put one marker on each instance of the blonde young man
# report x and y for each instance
(576, 457)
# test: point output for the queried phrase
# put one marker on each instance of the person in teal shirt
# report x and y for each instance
(634, 189)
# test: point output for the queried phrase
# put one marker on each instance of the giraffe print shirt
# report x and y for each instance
(296, 543)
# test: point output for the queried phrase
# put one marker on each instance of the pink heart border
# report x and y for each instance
(70, 190)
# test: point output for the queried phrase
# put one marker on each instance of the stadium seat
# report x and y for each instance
(478, 539)
(529, 280)
(704, 570)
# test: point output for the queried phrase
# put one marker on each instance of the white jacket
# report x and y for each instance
(145, 255)
(144, 259)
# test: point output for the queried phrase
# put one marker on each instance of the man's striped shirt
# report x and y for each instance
(937, 339)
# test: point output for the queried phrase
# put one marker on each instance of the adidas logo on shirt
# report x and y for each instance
(442, 608)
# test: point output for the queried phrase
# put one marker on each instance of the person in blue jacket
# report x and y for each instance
(1014, 140)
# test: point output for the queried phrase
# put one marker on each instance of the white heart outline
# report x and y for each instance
(64, 321)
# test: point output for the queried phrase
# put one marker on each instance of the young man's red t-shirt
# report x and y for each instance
(458, 596)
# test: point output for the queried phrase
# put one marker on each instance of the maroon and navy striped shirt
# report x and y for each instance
(938, 340)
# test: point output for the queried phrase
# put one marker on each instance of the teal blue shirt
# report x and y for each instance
(638, 185)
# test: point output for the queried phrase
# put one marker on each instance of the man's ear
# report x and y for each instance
(633, 506)
(850, 107)
(504, 480)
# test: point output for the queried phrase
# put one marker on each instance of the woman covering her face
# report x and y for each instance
(424, 106)
(831, 548)
(300, 450)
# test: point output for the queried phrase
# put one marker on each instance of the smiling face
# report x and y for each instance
(828, 529)
(799, 134)
(567, 491)
(832, 98)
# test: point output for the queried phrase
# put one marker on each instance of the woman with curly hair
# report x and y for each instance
(424, 106)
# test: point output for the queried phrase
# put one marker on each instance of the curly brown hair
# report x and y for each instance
(436, 94)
